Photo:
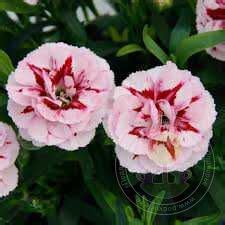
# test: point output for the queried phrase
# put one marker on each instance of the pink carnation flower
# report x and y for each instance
(161, 120)
(8, 180)
(9, 147)
(211, 17)
(59, 94)
(31, 2)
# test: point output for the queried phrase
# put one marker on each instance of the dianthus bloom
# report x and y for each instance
(161, 120)
(211, 17)
(9, 149)
(8, 180)
(59, 94)
(31, 2)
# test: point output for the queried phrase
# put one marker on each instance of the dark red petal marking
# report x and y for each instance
(216, 14)
(28, 109)
(93, 89)
(149, 94)
(38, 75)
(137, 132)
(170, 148)
(66, 69)
(2, 157)
(76, 104)
(194, 99)
(170, 94)
(138, 109)
(146, 117)
(51, 104)
(183, 125)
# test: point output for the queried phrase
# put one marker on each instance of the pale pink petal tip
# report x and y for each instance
(211, 17)
(31, 2)
(9, 146)
(157, 121)
(59, 94)
(8, 180)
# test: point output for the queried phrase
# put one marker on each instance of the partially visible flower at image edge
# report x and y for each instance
(211, 17)
(9, 150)
(161, 120)
(31, 2)
(59, 94)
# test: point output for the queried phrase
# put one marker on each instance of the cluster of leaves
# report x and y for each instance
(64, 188)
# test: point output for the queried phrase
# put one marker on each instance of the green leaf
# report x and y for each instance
(217, 191)
(152, 46)
(181, 30)
(6, 66)
(212, 220)
(127, 49)
(74, 28)
(70, 211)
(161, 27)
(196, 43)
(154, 207)
(3, 99)
(136, 222)
(17, 6)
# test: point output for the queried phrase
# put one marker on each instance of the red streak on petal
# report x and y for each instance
(51, 104)
(28, 109)
(2, 157)
(146, 117)
(149, 94)
(216, 14)
(138, 109)
(183, 125)
(76, 104)
(8, 142)
(170, 148)
(38, 75)
(182, 112)
(93, 89)
(137, 132)
(66, 69)
(194, 99)
(170, 94)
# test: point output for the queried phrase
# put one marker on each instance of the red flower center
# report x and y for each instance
(60, 88)
(181, 123)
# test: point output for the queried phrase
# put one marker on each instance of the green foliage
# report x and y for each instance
(131, 48)
(6, 66)
(64, 188)
(152, 46)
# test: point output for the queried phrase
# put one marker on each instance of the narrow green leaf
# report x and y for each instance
(127, 49)
(161, 27)
(136, 222)
(181, 30)
(154, 207)
(3, 99)
(212, 220)
(196, 43)
(73, 27)
(217, 191)
(6, 66)
(152, 46)
(17, 6)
